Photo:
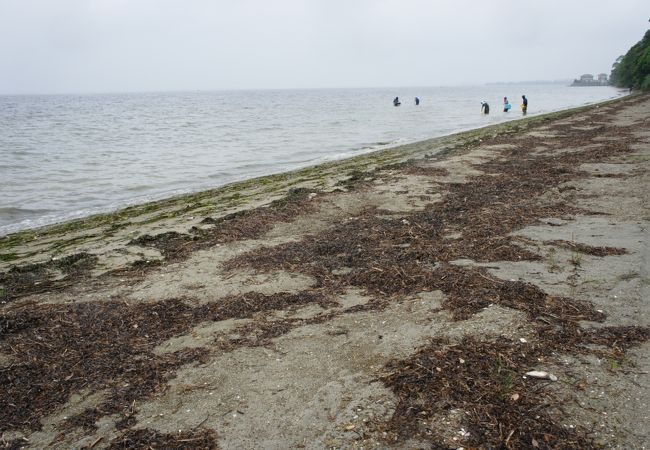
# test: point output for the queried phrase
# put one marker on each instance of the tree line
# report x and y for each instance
(632, 70)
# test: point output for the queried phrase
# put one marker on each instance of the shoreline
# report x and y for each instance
(487, 289)
(72, 215)
(280, 182)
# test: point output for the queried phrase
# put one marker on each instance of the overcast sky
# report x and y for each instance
(77, 46)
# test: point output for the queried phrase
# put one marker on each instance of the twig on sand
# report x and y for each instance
(201, 423)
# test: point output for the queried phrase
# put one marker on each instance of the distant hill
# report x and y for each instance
(501, 83)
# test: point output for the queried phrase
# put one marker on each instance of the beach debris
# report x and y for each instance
(419, 381)
(588, 249)
(540, 374)
(148, 438)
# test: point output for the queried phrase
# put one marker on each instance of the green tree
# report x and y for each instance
(633, 68)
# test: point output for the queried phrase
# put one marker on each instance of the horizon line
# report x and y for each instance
(194, 90)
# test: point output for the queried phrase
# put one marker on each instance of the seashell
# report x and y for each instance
(541, 375)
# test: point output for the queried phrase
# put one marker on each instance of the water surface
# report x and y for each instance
(69, 156)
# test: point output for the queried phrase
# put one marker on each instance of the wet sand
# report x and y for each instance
(395, 300)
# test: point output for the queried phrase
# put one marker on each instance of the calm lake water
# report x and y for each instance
(69, 156)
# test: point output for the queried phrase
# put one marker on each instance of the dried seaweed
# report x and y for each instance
(483, 383)
(357, 179)
(27, 279)
(426, 171)
(247, 224)
(588, 249)
(396, 255)
(169, 243)
(108, 346)
(410, 253)
(105, 346)
(14, 444)
(470, 290)
(609, 342)
(145, 438)
(54, 274)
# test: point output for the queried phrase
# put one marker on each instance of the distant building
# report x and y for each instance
(588, 80)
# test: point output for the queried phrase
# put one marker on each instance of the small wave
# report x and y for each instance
(19, 153)
(13, 166)
(13, 210)
(139, 188)
(379, 144)
(252, 166)
(221, 175)
(10, 215)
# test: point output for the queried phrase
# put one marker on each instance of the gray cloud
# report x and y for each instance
(133, 45)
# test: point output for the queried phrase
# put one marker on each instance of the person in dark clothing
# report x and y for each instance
(396, 101)
(485, 108)
(417, 101)
(524, 104)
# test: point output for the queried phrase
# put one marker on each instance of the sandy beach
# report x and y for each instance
(483, 290)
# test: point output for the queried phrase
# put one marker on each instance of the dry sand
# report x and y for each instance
(392, 301)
